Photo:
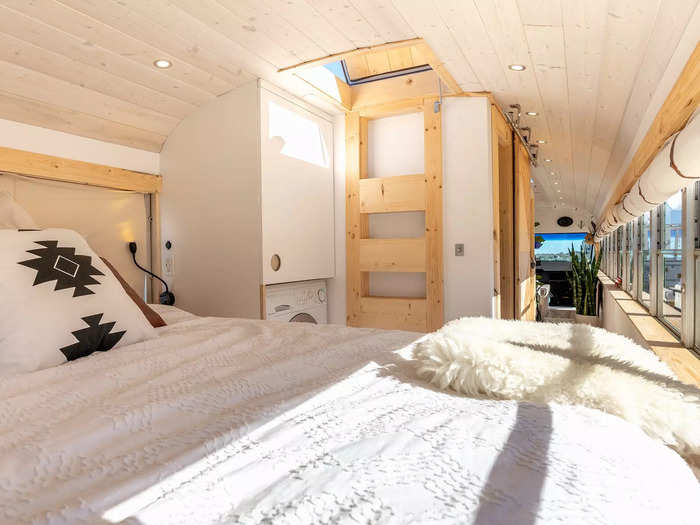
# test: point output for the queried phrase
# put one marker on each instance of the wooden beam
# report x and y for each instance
(392, 194)
(421, 84)
(350, 53)
(432, 144)
(67, 170)
(393, 313)
(678, 107)
(353, 227)
(439, 68)
(392, 255)
(156, 247)
(398, 107)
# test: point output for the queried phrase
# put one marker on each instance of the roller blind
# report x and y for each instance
(675, 167)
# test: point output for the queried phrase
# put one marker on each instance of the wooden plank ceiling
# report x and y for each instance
(86, 66)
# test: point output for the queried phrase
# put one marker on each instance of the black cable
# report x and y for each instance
(133, 254)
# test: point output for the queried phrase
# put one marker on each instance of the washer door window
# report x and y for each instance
(303, 318)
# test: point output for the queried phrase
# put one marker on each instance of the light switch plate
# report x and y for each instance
(169, 265)
(459, 250)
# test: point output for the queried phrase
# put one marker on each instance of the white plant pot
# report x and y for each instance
(592, 320)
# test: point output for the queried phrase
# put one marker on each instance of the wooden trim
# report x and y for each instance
(439, 68)
(60, 169)
(353, 217)
(352, 52)
(156, 247)
(432, 144)
(392, 255)
(263, 303)
(500, 137)
(392, 194)
(393, 313)
(345, 91)
(678, 107)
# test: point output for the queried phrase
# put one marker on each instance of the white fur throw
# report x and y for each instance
(564, 363)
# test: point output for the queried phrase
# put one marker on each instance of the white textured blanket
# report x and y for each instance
(242, 421)
(567, 363)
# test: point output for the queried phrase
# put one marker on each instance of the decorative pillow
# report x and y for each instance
(12, 215)
(59, 302)
(153, 318)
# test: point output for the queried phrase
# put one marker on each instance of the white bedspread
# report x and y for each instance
(222, 420)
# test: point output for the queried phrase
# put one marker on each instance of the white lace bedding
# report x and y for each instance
(222, 420)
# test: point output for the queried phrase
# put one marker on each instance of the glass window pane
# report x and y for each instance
(673, 228)
(670, 262)
(672, 297)
(644, 259)
(630, 255)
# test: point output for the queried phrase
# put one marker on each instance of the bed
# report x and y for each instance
(239, 421)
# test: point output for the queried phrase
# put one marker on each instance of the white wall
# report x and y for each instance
(468, 206)
(59, 144)
(210, 206)
(616, 320)
(547, 217)
(396, 148)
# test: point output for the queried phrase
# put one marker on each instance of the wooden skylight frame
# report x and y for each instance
(352, 98)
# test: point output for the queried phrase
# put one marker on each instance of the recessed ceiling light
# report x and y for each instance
(556, 182)
(162, 63)
(548, 160)
(541, 141)
(516, 67)
(532, 113)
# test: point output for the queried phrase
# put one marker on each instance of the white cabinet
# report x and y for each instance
(247, 177)
(296, 157)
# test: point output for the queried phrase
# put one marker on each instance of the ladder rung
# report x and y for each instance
(392, 255)
(394, 313)
(392, 194)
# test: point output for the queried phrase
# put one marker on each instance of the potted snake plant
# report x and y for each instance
(583, 279)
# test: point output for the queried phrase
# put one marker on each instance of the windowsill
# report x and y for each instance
(657, 337)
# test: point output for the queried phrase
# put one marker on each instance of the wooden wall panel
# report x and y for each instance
(501, 138)
(432, 122)
(524, 238)
(353, 218)
(505, 228)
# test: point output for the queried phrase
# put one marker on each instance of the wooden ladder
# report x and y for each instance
(422, 192)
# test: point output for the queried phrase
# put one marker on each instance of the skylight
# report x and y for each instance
(340, 70)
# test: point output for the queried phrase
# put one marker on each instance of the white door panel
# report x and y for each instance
(297, 191)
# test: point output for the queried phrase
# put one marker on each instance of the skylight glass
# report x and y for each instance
(338, 70)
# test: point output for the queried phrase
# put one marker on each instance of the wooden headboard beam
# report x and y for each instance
(67, 170)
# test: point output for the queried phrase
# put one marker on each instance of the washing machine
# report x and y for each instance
(302, 302)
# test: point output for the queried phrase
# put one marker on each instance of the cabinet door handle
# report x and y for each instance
(275, 262)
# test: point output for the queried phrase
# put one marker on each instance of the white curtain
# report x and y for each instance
(675, 167)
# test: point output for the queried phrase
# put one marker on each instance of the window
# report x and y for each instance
(629, 262)
(670, 262)
(298, 136)
(555, 246)
(644, 223)
(620, 253)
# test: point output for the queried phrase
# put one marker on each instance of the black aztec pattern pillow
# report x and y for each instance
(59, 302)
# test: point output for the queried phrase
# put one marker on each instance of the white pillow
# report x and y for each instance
(12, 215)
(59, 302)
